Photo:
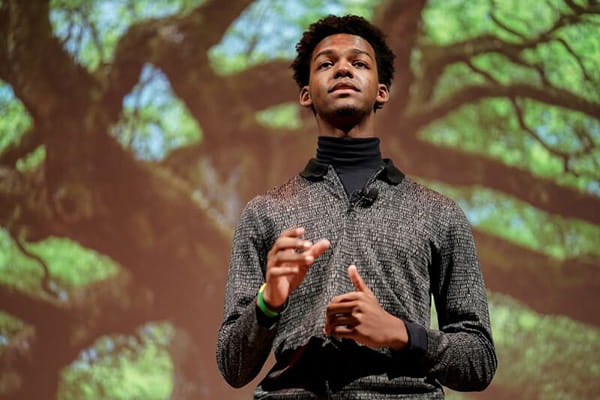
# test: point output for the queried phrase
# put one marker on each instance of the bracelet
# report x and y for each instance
(263, 306)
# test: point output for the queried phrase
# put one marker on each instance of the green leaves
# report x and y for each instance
(269, 30)
(545, 45)
(529, 343)
(122, 367)
(282, 117)
(550, 46)
(154, 121)
(520, 223)
(14, 119)
(91, 29)
(69, 265)
(491, 128)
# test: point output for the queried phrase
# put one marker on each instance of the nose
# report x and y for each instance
(343, 70)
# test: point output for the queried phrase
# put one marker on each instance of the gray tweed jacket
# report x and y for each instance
(409, 243)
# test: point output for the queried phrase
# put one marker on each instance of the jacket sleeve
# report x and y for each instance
(246, 335)
(460, 354)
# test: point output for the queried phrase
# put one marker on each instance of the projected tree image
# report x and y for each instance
(133, 132)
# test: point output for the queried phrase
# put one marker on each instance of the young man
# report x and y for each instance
(335, 269)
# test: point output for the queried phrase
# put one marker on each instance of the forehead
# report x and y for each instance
(343, 42)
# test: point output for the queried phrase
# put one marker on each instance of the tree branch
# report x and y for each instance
(46, 279)
(28, 142)
(532, 134)
(570, 50)
(273, 78)
(437, 58)
(483, 73)
(4, 39)
(30, 32)
(62, 330)
(32, 309)
(502, 25)
(433, 162)
(400, 20)
(23, 204)
(180, 41)
(474, 93)
(547, 285)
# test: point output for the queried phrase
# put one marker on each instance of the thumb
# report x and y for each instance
(357, 280)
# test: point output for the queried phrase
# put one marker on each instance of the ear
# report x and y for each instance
(305, 100)
(383, 95)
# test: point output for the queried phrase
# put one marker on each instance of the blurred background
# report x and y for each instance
(133, 132)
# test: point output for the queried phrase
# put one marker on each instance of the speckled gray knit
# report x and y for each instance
(409, 244)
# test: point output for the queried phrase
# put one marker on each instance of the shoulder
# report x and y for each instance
(418, 195)
(274, 202)
(435, 210)
(278, 195)
(266, 214)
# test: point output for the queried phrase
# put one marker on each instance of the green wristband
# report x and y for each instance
(263, 307)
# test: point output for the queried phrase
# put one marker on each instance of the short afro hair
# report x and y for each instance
(353, 25)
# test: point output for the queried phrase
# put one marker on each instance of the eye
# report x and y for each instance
(324, 64)
(360, 64)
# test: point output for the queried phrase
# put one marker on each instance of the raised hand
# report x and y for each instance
(287, 264)
(359, 316)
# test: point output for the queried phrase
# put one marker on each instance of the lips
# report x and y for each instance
(343, 86)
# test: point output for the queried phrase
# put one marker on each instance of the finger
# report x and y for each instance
(341, 319)
(338, 320)
(337, 330)
(357, 280)
(346, 297)
(342, 331)
(319, 248)
(284, 271)
(290, 243)
(292, 232)
(339, 309)
(291, 257)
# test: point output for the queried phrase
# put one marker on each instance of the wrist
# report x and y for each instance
(264, 307)
(268, 299)
(398, 339)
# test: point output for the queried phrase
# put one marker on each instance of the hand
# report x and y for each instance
(359, 316)
(287, 264)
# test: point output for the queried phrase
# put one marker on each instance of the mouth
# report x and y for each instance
(343, 86)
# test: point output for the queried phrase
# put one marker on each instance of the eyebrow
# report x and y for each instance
(328, 52)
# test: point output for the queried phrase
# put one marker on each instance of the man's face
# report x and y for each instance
(343, 84)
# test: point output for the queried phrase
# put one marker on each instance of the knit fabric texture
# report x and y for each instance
(409, 244)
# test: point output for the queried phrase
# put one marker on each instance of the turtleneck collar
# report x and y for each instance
(348, 153)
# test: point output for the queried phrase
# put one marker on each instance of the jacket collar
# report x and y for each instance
(316, 170)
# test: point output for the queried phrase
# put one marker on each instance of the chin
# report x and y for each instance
(348, 111)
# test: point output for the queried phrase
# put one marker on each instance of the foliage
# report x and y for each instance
(556, 145)
(549, 141)
(280, 117)
(490, 128)
(14, 120)
(91, 29)
(154, 121)
(70, 266)
(520, 223)
(9, 326)
(269, 29)
(528, 343)
(122, 368)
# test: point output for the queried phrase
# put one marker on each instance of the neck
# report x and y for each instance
(349, 153)
(340, 127)
(355, 160)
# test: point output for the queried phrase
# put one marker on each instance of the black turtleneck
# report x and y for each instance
(355, 160)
